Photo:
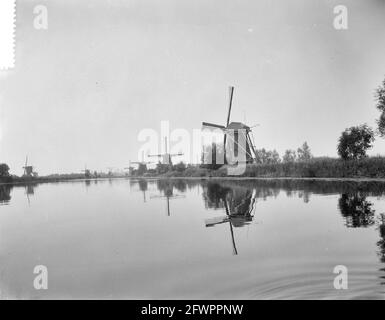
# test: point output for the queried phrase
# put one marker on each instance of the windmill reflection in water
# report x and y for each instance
(166, 188)
(238, 203)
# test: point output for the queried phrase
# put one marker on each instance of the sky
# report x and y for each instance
(82, 90)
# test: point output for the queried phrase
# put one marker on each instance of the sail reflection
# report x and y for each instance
(166, 188)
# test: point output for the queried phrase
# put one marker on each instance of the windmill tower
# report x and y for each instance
(233, 134)
(28, 169)
(166, 157)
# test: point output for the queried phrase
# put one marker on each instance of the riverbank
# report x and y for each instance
(326, 169)
(371, 167)
(15, 180)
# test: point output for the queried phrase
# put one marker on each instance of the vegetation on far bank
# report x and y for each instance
(368, 167)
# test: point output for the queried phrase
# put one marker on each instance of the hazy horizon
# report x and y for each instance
(82, 90)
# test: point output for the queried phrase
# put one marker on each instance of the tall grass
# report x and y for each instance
(321, 167)
(371, 167)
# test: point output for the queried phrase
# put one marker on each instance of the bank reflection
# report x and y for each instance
(381, 242)
(358, 212)
(5, 194)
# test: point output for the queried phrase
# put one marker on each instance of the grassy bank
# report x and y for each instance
(50, 178)
(371, 167)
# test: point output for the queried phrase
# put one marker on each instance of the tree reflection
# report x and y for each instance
(356, 210)
(5, 194)
(381, 242)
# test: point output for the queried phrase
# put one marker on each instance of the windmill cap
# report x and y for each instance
(237, 126)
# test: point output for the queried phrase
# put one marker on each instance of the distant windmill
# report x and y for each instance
(28, 169)
(87, 172)
(110, 171)
(166, 157)
(232, 132)
(139, 163)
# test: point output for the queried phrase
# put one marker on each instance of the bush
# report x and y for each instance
(4, 170)
(355, 141)
(180, 167)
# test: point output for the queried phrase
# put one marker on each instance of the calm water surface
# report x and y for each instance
(193, 239)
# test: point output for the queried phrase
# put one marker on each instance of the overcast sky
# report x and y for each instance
(83, 89)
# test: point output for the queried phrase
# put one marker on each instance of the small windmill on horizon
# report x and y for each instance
(142, 165)
(28, 169)
(166, 156)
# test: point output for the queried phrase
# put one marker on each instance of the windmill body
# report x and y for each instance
(166, 157)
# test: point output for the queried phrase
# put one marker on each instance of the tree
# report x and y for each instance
(289, 156)
(380, 99)
(180, 167)
(4, 170)
(267, 157)
(355, 141)
(304, 153)
(162, 168)
(274, 157)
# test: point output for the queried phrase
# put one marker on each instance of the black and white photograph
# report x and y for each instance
(211, 150)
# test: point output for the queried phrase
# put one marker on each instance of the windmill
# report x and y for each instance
(28, 169)
(233, 131)
(87, 172)
(166, 157)
(142, 165)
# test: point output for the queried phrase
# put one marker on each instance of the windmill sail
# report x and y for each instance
(212, 125)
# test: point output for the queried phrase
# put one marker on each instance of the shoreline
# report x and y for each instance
(336, 179)
(363, 179)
